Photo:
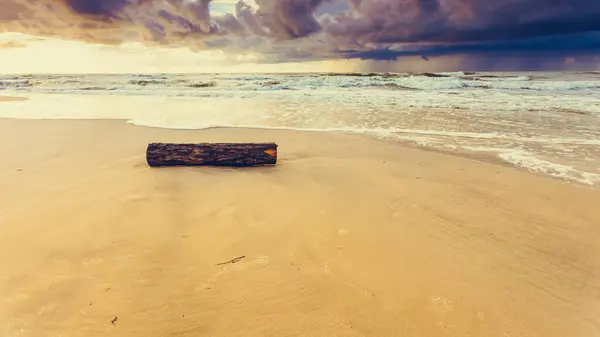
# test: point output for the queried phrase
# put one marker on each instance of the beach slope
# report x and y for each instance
(346, 236)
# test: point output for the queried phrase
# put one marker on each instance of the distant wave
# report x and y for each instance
(397, 75)
(496, 78)
(16, 83)
(433, 75)
(171, 83)
(394, 86)
(270, 83)
(96, 89)
(560, 86)
(202, 85)
(180, 84)
(148, 82)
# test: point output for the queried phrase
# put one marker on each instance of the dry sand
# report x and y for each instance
(346, 236)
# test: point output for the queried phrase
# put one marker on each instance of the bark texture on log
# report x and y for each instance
(211, 154)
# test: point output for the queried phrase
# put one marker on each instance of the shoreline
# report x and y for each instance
(477, 156)
(4, 98)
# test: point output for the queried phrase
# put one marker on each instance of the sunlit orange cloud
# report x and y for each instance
(47, 55)
(37, 55)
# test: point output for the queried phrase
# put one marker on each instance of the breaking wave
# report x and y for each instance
(277, 82)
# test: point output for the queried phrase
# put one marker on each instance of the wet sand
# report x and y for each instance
(12, 98)
(346, 236)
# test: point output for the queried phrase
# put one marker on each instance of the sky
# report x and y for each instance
(60, 36)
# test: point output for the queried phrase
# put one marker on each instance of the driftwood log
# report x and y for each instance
(211, 154)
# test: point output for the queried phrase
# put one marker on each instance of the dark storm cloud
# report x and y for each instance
(295, 29)
(580, 43)
(289, 18)
(396, 21)
(91, 7)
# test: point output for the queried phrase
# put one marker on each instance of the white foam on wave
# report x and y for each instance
(454, 73)
(461, 134)
(506, 78)
(533, 164)
(564, 141)
(446, 81)
(418, 82)
(552, 85)
(408, 92)
(384, 132)
(530, 162)
(174, 125)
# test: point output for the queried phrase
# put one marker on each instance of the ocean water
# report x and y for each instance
(547, 123)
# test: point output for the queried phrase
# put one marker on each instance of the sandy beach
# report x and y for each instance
(346, 236)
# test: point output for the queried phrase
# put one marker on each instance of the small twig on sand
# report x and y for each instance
(114, 320)
(237, 259)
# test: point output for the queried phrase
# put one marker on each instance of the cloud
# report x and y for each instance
(580, 43)
(52, 56)
(295, 30)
